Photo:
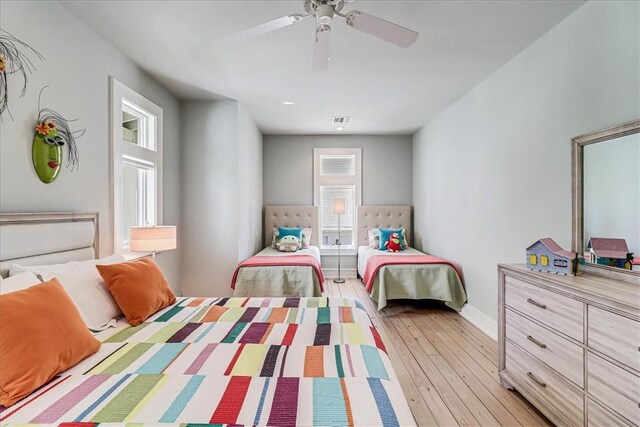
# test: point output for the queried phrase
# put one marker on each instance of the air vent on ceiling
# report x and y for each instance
(341, 120)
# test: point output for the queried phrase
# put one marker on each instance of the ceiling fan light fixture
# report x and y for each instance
(325, 14)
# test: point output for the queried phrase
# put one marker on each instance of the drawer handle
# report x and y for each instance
(536, 342)
(536, 303)
(540, 383)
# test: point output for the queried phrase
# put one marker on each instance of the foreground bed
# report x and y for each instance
(222, 361)
(257, 361)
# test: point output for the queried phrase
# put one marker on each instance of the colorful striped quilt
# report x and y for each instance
(230, 361)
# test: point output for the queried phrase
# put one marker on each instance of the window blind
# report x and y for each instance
(337, 165)
(329, 219)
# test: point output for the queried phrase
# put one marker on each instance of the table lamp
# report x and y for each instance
(152, 239)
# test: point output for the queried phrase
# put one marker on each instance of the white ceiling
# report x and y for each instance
(385, 88)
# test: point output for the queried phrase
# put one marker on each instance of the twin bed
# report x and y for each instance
(408, 274)
(272, 273)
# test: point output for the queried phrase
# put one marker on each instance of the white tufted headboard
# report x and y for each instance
(47, 238)
(383, 217)
(290, 216)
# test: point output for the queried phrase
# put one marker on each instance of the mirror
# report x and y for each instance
(606, 197)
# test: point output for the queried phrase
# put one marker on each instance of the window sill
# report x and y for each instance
(132, 256)
(334, 252)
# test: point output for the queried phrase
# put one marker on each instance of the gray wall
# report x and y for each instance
(491, 174)
(386, 167)
(77, 69)
(222, 214)
(386, 171)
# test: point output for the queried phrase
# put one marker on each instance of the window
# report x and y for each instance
(136, 145)
(337, 174)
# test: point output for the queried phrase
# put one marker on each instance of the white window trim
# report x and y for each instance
(120, 149)
(319, 181)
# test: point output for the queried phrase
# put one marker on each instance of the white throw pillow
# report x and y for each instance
(18, 282)
(85, 286)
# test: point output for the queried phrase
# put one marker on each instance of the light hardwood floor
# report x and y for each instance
(446, 366)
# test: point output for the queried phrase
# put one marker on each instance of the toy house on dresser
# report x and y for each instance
(547, 255)
(607, 251)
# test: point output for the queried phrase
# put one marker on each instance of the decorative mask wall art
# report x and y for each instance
(13, 60)
(52, 134)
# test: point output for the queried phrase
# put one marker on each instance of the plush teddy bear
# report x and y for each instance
(288, 244)
(393, 244)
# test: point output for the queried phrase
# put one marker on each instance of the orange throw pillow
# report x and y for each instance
(41, 335)
(139, 288)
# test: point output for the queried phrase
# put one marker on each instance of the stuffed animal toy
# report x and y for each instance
(393, 244)
(288, 244)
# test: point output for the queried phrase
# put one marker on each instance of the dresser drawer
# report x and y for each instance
(537, 382)
(597, 416)
(617, 388)
(561, 354)
(616, 336)
(557, 311)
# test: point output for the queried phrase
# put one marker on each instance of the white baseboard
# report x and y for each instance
(330, 273)
(483, 322)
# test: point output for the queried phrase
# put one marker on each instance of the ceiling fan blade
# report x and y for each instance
(380, 28)
(267, 27)
(321, 49)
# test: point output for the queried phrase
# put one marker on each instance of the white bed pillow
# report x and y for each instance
(18, 282)
(85, 286)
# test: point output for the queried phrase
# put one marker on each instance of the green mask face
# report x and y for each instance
(47, 155)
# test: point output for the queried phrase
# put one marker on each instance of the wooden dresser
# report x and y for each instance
(571, 345)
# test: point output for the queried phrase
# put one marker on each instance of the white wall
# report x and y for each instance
(77, 69)
(612, 179)
(491, 174)
(222, 208)
(386, 172)
(250, 185)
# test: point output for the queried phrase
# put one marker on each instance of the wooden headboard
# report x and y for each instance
(47, 238)
(290, 216)
(383, 217)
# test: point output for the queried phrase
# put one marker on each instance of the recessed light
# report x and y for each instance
(339, 128)
(288, 102)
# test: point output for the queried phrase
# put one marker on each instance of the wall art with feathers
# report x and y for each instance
(14, 60)
(52, 134)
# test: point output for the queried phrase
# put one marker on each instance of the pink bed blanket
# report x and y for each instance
(376, 262)
(281, 261)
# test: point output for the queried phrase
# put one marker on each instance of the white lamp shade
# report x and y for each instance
(152, 239)
(338, 206)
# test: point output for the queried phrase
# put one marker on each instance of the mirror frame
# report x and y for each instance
(577, 190)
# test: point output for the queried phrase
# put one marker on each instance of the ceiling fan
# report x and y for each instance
(324, 11)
